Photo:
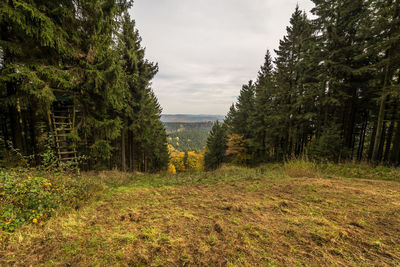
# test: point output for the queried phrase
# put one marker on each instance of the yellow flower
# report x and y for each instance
(33, 211)
(34, 220)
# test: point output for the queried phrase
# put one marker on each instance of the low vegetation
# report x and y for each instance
(299, 213)
(31, 196)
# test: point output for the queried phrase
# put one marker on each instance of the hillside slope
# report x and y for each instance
(190, 118)
(234, 217)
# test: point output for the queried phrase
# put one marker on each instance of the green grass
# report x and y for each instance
(299, 213)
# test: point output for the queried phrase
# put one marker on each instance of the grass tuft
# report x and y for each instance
(301, 168)
(296, 214)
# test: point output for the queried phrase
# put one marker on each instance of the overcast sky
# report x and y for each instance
(206, 49)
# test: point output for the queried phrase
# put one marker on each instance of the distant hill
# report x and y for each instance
(190, 118)
(187, 132)
(188, 136)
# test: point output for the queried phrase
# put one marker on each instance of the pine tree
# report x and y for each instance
(147, 144)
(216, 147)
(241, 120)
(339, 23)
(386, 32)
(51, 52)
(242, 117)
(263, 109)
(37, 48)
(291, 96)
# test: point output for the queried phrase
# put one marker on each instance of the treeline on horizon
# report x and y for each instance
(331, 94)
(88, 51)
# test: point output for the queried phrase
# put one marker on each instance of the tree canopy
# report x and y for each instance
(331, 93)
(87, 54)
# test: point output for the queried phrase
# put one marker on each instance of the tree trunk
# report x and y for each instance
(349, 121)
(130, 151)
(372, 141)
(381, 144)
(394, 159)
(5, 132)
(362, 138)
(381, 115)
(22, 128)
(123, 152)
(390, 135)
(379, 129)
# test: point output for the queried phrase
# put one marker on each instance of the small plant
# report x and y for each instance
(27, 196)
(301, 168)
(49, 159)
(15, 158)
(212, 240)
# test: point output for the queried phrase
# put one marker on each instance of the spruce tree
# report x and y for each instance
(291, 96)
(339, 23)
(386, 32)
(146, 134)
(55, 51)
(216, 147)
(263, 110)
(242, 119)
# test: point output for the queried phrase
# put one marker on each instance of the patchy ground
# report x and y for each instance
(253, 219)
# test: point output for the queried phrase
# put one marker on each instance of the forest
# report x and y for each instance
(330, 94)
(302, 171)
(189, 136)
(76, 87)
(186, 144)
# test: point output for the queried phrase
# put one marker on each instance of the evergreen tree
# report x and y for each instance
(241, 118)
(146, 139)
(88, 53)
(292, 95)
(263, 110)
(339, 23)
(386, 42)
(320, 100)
(37, 47)
(216, 147)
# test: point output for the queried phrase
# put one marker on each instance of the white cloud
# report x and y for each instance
(207, 49)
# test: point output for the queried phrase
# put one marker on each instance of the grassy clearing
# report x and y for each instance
(297, 214)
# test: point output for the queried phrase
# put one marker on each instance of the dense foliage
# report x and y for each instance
(216, 146)
(55, 53)
(189, 161)
(331, 93)
(190, 136)
(28, 196)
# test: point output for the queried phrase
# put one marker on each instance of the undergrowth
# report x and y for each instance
(302, 168)
(33, 196)
(273, 215)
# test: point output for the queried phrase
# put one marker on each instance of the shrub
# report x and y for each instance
(26, 196)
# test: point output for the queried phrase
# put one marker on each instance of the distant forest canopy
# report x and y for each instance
(75, 80)
(187, 141)
(331, 93)
(190, 118)
(188, 136)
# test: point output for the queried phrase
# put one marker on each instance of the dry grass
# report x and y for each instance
(301, 168)
(231, 217)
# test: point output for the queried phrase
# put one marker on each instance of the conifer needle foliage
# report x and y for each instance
(89, 52)
(330, 94)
